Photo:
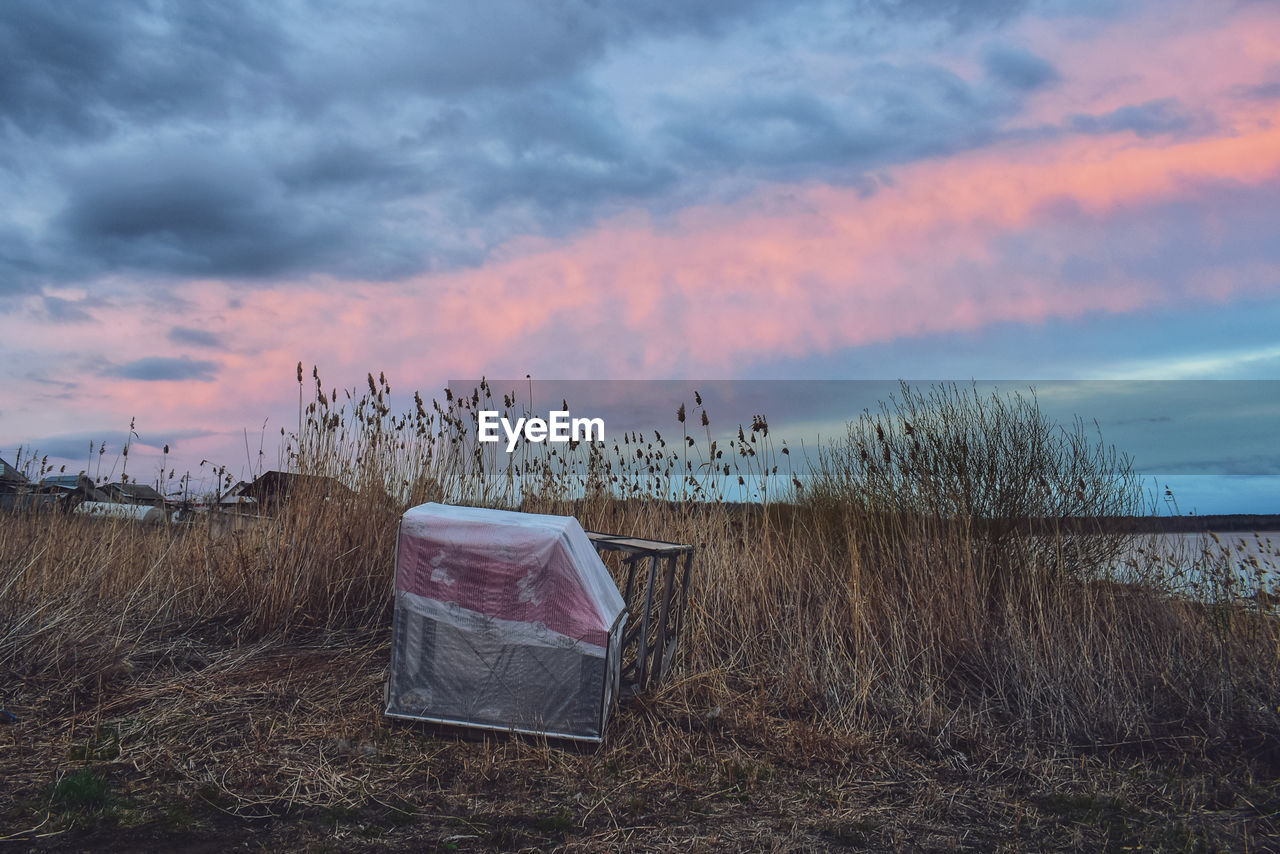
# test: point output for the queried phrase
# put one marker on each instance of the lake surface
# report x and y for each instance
(1251, 560)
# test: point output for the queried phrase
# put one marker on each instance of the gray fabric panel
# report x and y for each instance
(442, 671)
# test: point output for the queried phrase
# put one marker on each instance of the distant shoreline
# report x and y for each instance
(1220, 522)
(1187, 524)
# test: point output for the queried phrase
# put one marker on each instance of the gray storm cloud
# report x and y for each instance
(393, 138)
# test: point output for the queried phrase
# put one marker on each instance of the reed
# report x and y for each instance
(922, 578)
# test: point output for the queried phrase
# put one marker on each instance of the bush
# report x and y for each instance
(1019, 493)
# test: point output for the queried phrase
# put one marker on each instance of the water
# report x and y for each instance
(1242, 564)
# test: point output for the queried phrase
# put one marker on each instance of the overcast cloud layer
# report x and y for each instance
(198, 195)
(229, 140)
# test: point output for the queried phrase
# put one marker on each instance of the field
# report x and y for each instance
(904, 652)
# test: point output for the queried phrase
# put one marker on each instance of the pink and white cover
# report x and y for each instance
(515, 567)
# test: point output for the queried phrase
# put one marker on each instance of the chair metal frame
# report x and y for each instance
(657, 586)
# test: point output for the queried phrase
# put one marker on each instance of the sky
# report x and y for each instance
(199, 195)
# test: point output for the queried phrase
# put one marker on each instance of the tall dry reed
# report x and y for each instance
(941, 571)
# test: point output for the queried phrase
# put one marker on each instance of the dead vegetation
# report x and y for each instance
(873, 663)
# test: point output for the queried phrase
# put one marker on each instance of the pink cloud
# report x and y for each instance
(720, 285)
(709, 292)
(1198, 55)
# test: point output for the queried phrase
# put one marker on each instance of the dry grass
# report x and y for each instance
(875, 663)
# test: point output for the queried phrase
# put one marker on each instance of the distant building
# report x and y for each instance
(75, 486)
(15, 490)
(67, 481)
(133, 493)
(10, 476)
(18, 493)
(273, 488)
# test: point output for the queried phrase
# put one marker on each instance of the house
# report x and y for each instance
(133, 493)
(10, 477)
(16, 492)
(273, 488)
(72, 487)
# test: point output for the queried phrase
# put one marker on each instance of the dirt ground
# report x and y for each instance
(281, 746)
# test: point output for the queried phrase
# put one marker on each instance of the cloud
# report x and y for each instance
(1187, 242)
(957, 244)
(61, 310)
(562, 151)
(1267, 91)
(81, 448)
(200, 211)
(161, 368)
(1018, 68)
(64, 74)
(21, 270)
(1153, 118)
(194, 337)
(1148, 419)
(961, 14)
(385, 140)
(888, 114)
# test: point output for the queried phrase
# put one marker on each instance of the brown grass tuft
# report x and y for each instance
(921, 605)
